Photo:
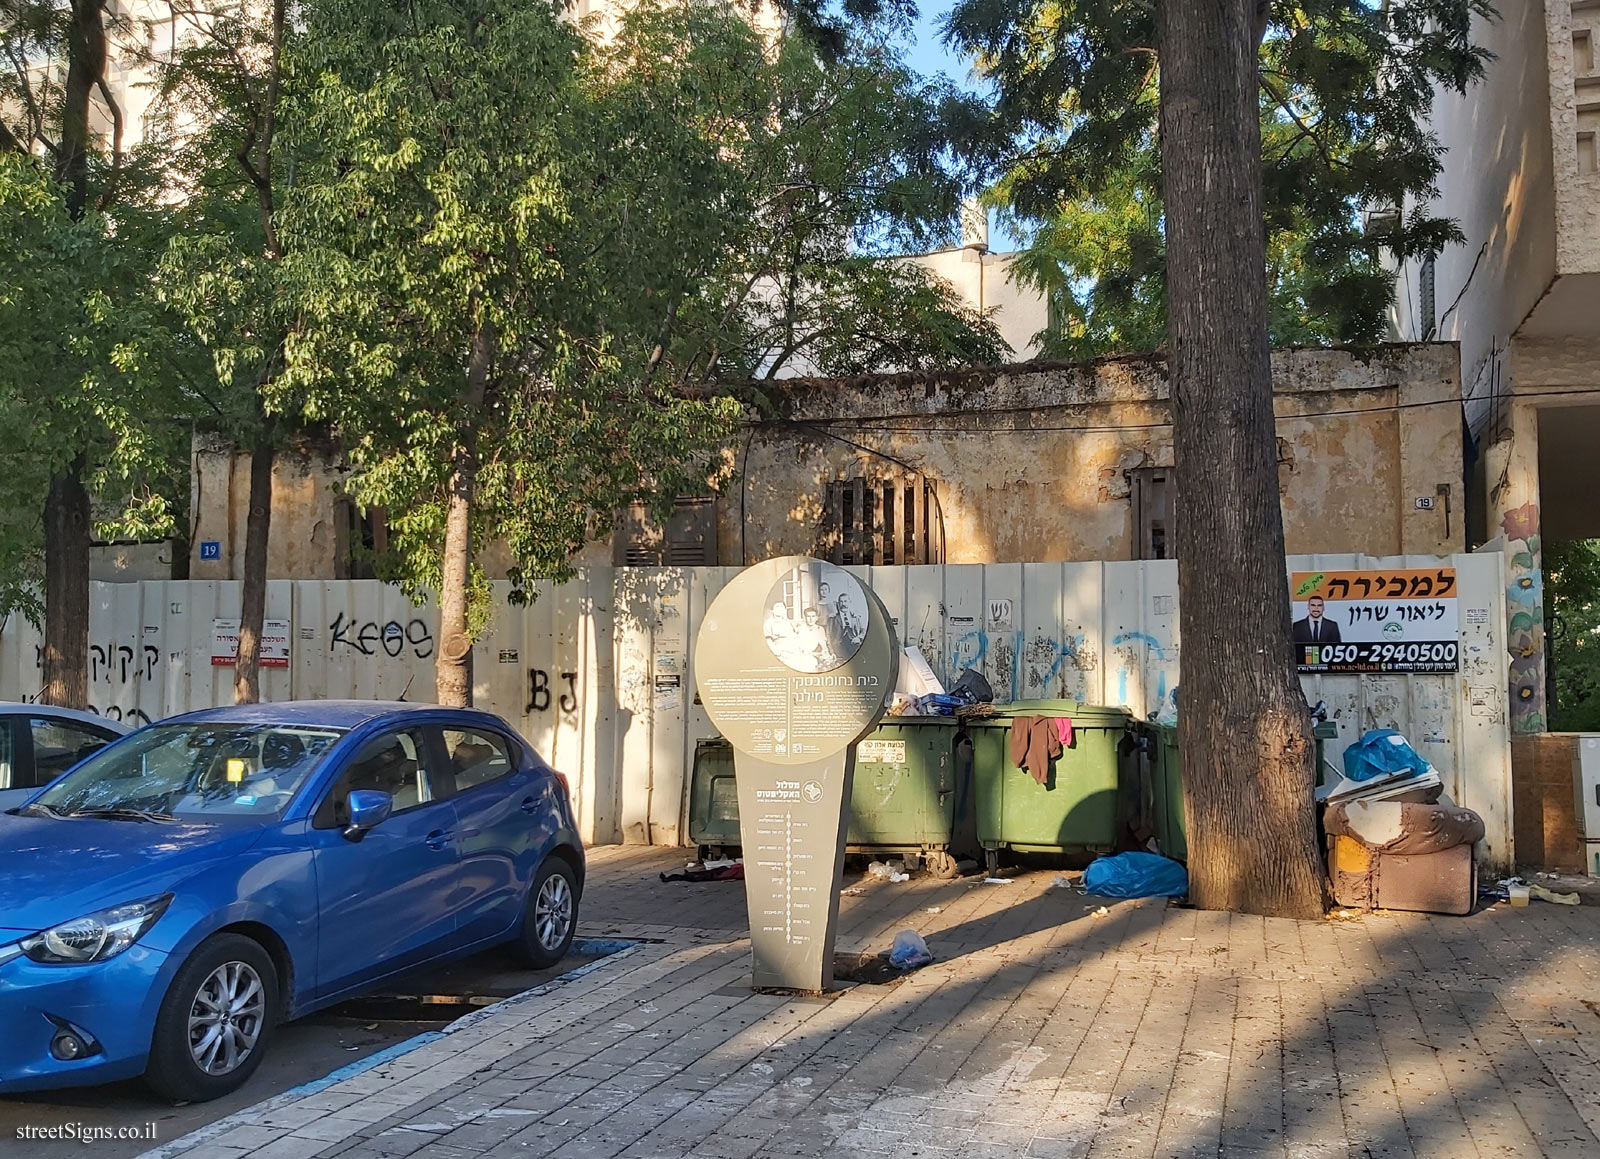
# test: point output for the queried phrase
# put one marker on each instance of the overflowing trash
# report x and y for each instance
(888, 871)
(1382, 766)
(918, 692)
(1130, 875)
(909, 951)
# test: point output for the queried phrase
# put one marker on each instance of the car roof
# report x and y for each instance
(10, 708)
(344, 714)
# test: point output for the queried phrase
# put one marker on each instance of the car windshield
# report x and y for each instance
(209, 768)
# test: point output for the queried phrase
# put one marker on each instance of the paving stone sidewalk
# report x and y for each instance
(1045, 1028)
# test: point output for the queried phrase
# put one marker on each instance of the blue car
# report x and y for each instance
(167, 902)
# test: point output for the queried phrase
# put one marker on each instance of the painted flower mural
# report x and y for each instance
(1525, 623)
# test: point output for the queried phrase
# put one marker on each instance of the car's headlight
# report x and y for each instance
(97, 936)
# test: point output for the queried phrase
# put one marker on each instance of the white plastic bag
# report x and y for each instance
(909, 951)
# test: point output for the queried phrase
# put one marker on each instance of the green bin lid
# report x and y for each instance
(1083, 715)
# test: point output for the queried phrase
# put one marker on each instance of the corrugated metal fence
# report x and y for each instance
(598, 674)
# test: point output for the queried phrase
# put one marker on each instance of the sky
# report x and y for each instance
(929, 55)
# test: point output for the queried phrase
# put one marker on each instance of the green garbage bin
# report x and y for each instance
(1075, 809)
(1166, 781)
(1166, 789)
(713, 797)
(912, 793)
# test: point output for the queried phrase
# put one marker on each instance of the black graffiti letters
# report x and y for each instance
(539, 694)
(368, 636)
(538, 690)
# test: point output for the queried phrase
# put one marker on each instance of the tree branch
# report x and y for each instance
(1282, 101)
(108, 194)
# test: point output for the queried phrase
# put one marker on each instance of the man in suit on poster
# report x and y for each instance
(1315, 628)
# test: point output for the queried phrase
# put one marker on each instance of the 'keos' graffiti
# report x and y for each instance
(369, 637)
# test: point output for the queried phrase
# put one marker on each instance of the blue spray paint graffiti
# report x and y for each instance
(1047, 662)
(1144, 638)
(1154, 648)
(968, 651)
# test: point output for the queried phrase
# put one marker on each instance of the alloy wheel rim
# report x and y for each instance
(226, 1017)
(552, 911)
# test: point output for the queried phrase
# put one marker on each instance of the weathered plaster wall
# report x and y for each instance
(305, 541)
(1030, 463)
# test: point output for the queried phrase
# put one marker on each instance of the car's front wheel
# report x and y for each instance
(215, 1022)
(552, 915)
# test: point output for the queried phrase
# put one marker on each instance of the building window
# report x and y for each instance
(689, 538)
(363, 537)
(882, 521)
(1153, 491)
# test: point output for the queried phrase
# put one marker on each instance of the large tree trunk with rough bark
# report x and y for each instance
(1243, 726)
(66, 590)
(452, 672)
(66, 508)
(257, 535)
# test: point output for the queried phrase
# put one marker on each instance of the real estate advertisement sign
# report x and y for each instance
(1389, 620)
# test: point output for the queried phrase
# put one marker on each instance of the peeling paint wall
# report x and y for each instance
(307, 539)
(1030, 462)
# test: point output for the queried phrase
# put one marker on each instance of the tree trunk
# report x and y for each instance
(452, 671)
(86, 67)
(257, 533)
(66, 507)
(1243, 726)
(66, 590)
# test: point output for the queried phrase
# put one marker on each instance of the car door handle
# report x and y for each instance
(530, 804)
(438, 839)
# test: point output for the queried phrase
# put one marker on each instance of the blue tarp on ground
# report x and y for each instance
(1136, 875)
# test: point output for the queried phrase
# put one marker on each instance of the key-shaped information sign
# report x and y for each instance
(794, 661)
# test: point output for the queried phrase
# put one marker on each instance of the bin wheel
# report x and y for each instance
(991, 861)
(942, 865)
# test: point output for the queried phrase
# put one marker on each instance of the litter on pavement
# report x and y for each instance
(909, 951)
(1136, 874)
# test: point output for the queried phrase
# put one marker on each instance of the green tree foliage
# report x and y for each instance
(1572, 601)
(486, 232)
(839, 157)
(521, 258)
(1346, 87)
(87, 381)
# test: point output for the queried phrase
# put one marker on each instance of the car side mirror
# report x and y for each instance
(369, 808)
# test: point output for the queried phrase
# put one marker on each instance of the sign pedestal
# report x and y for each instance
(794, 662)
(793, 864)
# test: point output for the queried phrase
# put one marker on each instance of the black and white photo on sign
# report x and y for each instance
(816, 617)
